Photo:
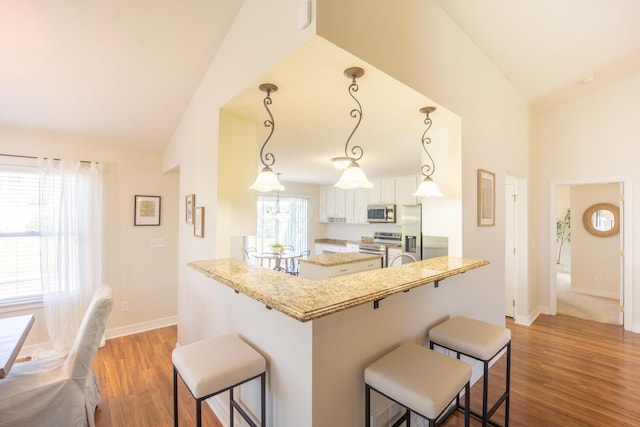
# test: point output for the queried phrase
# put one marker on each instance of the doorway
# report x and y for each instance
(587, 274)
(516, 247)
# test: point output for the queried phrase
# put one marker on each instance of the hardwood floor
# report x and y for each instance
(136, 383)
(568, 372)
(565, 372)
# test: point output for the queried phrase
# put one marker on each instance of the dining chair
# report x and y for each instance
(251, 255)
(401, 258)
(296, 265)
(59, 390)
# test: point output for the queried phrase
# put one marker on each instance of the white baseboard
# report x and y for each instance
(528, 319)
(45, 347)
(596, 293)
(140, 327)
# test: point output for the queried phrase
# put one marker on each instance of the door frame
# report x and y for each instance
(521, 239)
(626, 276)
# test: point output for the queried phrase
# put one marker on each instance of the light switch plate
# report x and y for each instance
(156, 243)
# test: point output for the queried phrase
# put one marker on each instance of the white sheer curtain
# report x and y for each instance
(71, 244)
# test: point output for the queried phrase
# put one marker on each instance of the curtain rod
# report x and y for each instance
(35, 158)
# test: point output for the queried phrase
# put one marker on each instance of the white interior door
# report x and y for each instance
(511, 270)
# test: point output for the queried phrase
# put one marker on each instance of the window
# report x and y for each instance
(281, 220)
(19, 235)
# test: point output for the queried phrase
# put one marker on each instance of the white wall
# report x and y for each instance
(145, 277)
(593, 138)
(432, 55)
(595, 260)
(417, 43)
(263, 34)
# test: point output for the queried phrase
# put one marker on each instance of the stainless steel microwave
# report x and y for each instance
(381, 213)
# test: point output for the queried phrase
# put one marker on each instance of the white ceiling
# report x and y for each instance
(546, 48)
(311, 110)
(124, 70)
(119, 70)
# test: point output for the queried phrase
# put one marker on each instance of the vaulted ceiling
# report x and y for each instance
(124, 71)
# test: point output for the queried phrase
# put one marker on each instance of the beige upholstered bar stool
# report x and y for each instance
(215, 365)
(422, 381)
(481, 341)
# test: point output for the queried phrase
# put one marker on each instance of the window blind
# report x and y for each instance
(19, 236)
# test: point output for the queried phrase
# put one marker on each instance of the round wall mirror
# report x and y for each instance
(602, 219)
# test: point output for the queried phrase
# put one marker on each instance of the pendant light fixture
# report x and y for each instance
(428, 187)
(277, 213)
(353, 176)
(267, 180)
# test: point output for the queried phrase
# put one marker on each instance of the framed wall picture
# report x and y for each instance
(486, 198)
(198, 221)
(146, 210)
(189, 203)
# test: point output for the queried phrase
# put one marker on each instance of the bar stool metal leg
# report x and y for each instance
(175, 397)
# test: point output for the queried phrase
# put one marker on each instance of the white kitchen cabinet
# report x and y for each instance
(352, 247)
(323, 248)
(339, 196)
(382, 192)
(322, 204)
(360, 202)
(320, 272)
(334, 203)
(405, 187)
(349, 207)
(356, 202)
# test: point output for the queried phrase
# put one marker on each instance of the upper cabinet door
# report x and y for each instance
(382, 192)
(360, 202)
(405, 187)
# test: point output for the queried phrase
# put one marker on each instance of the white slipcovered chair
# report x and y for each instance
(59, 390)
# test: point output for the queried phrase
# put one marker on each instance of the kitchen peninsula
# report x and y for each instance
(330, 265)
(319, 335)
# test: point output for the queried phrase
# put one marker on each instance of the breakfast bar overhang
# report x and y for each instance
(319, 335)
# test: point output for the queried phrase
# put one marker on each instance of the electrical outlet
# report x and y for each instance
(124, 306)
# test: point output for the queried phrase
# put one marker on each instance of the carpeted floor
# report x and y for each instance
(603, 310)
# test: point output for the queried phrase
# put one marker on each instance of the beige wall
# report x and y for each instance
(430, 54)
(594, 138)
(417, 43)
(595, 261)
(264, 33)
(145, 277)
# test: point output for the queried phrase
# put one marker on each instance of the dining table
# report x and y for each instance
(284, 261)
(13, 333)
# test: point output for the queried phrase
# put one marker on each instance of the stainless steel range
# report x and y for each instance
(382, 240)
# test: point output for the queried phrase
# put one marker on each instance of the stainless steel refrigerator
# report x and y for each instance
(414, 242)
(411, 227)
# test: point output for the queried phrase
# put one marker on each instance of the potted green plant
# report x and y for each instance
(563, 235)
(277, 248)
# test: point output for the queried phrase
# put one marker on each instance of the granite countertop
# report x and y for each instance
(305, 299)
(335, 241)
(328, 260)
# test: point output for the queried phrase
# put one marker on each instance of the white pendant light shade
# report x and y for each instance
(341, 162)
(428, 188)
(353, 177)
(267, 181)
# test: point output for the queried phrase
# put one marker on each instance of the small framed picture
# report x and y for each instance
(189, 203)
(486, 198)
(198, 221)
(146, 210)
